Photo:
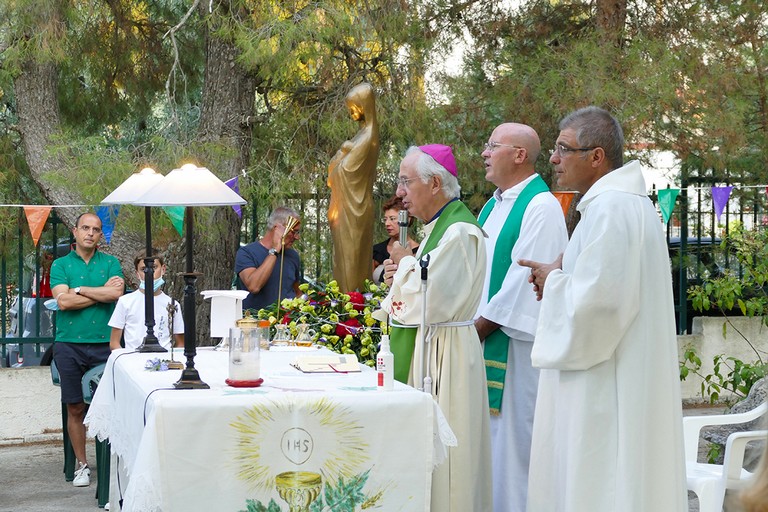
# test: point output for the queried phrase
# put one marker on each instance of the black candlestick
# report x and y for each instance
(150, 343)
(190, 378)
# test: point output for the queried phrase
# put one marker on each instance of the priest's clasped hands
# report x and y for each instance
(540, 272)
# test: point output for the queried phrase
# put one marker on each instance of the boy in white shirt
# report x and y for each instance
(129, 316)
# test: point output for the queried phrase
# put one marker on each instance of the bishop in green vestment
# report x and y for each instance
(452, 356)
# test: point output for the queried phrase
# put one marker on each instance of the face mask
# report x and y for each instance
(158, 283)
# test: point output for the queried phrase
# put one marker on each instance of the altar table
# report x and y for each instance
(315, 436)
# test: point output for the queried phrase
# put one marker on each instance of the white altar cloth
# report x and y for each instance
(217, 449)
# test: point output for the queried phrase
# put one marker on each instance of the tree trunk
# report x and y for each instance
(39, 121)
(38, 110)
(226, 112)
(611, 16)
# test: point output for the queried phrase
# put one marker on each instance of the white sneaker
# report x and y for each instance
(82, 476)
(106, 507)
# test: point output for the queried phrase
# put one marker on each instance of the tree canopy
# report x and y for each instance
(93, 90)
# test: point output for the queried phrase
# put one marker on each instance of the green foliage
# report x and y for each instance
(257, 506)
(728, 374)
(344, 496)
(746, 291)
(714, 453)
(724, 293)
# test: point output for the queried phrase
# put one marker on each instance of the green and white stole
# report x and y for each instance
(496, 344)
(403, 339)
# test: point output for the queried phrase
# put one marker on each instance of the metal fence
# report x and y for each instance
(315, 244)
(27, 328)
(695, 236)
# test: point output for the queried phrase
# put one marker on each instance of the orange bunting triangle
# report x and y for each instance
(565, 199)
(36, 218)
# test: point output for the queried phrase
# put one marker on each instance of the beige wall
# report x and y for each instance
(30, 405)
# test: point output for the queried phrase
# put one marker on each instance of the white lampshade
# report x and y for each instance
(134, 187)
(190, 186)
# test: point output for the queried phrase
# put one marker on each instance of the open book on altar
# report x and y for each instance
(338, 363)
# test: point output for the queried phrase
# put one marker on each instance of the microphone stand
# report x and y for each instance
(425, 366)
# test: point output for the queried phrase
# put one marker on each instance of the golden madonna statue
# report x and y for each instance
(351, 174)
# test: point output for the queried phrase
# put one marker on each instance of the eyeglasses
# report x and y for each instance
(86, 229)
(491, 146)
(391, 218)
(403, 182)
(563, 149)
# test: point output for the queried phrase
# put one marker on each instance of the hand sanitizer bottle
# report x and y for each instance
(385, 366)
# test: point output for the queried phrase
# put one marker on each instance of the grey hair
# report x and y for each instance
(280, 216)
(595, 127)
(426, 167)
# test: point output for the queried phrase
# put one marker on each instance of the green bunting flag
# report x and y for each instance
(667, 198)
(176, 214)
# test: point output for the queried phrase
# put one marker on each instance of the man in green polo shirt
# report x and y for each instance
(86, 284)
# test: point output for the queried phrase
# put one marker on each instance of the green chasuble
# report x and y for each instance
(403, 339)
(496, 346)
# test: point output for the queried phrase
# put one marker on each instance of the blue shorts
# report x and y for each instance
(72, 361)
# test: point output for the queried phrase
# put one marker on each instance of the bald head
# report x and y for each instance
(511, 154)
(522, 135)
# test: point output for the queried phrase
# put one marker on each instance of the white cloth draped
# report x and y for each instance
(190, 449)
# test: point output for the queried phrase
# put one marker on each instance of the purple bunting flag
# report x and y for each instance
(720, 196)
(234, 185)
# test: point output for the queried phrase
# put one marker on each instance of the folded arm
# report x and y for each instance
(89, 295)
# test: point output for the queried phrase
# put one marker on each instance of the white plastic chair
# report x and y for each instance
(710, 481)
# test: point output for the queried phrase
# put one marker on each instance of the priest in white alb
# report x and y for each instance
(607, 432)
(453, 358)
(522, 220)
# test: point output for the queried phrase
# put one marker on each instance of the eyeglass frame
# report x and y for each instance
(562, 149)
(491, 146)
(90, 229)
(403, 182)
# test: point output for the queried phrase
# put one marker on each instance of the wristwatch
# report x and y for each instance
(274, 252)
(77, 290)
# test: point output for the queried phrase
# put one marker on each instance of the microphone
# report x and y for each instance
(402, 221)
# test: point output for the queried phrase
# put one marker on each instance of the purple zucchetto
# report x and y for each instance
(442, 154)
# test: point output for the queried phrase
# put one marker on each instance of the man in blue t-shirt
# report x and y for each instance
(258, 264)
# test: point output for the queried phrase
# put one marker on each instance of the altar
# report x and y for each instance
(297, 439)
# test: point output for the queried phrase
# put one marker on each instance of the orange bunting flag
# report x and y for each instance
(565, 199)
(36, 218)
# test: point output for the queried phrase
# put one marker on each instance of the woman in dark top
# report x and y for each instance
(381, 250)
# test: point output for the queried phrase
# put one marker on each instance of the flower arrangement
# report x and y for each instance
(342, 322)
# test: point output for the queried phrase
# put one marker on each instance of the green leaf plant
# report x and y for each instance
(732, 293)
